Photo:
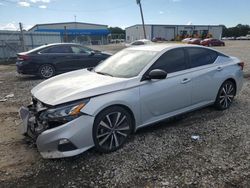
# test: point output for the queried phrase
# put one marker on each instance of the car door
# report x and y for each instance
(205, 74)
(60, 56)
(162, 98)
(215, 42)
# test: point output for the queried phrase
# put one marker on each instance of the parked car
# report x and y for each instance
(212, 42)
(247, 37)
(228, 38)
(134, 88)
(196, 41)
(49, 60)
(158, 39)
(186, 40)
(139, 42)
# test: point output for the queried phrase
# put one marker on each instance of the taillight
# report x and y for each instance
(23, 57)
(241, 64)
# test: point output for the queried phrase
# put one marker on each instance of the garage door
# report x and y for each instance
(165, 32)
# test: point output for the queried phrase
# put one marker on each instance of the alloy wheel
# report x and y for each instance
(47, 71)
(112, 131)
(227, 95)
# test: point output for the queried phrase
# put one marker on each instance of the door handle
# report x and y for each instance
(219, 68)
(185, 80)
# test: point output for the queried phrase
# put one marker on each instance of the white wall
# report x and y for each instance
(69, 26)
(136, 32)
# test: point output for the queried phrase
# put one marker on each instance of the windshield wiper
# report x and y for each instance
(104, 73)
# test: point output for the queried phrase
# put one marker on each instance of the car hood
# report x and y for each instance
(76, 85)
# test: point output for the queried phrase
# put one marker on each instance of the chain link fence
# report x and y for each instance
(11, 42)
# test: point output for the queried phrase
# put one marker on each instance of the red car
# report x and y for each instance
(212, 42)
(194, 41)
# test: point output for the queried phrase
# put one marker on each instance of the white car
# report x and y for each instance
(134, 88)
(139, 42)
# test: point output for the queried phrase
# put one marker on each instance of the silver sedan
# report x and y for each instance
(134, 88)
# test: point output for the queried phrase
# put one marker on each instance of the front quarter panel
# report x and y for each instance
(128, 97)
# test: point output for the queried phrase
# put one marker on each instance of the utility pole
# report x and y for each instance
(144, 31)
(22, 37)
(65, 34)
(75, 28)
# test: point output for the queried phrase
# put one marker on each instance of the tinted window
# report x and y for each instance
(200, 56)
(79, 50)
(171, 61)
(138, 43)
(58, 49)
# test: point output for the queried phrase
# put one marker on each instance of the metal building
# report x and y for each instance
(84, 33)
(173, 32)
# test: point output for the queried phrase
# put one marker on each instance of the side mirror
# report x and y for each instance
(91, 53)
(157, 74)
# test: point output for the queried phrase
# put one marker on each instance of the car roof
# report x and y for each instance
(143, 40)
(160, 47)
(49, 45)
(55, 44)
(164, 47)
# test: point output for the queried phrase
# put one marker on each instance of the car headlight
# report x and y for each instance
(65, 112)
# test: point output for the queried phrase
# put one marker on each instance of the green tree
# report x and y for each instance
(117, 33)
(116, 30)
(237, 31)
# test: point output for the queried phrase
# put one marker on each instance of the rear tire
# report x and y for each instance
(111, 129)
(225, 95)
(46, 71)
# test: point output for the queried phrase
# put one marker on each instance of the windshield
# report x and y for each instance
(125, 64)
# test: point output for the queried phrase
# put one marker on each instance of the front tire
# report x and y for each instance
(225, 95)
(111, 129)
(46, 71)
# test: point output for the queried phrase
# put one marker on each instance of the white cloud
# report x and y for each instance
(40, 1)
(27, 27)
(42, 6)
(9, 26)
(23, 4)
(161, 12)
(189, 23)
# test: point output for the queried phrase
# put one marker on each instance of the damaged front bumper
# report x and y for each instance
(65, 140)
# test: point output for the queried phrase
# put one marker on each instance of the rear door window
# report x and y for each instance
(200, 56)
(57, 50)
(171, 61)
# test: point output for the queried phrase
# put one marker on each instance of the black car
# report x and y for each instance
(48, 60)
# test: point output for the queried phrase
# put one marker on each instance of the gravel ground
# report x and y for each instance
(163, 155)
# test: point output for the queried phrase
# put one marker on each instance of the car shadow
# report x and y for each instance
(28, 78)
(182, 120)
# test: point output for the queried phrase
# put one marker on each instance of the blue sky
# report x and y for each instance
(123, 13)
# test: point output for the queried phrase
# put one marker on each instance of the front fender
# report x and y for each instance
(128, 98)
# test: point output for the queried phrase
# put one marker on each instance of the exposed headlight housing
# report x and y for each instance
(64, 112)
